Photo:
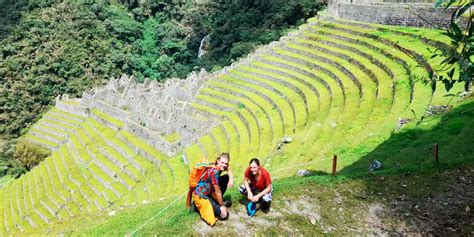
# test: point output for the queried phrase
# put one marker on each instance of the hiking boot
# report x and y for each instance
(265, 206)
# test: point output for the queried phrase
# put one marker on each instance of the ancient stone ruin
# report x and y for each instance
(149, 110)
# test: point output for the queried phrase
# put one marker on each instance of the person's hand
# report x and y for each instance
(254, 199)
(249, 196)
(223, 212)
(230, 183)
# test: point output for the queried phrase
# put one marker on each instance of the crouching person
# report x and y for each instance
(207, 195)
(257, 187)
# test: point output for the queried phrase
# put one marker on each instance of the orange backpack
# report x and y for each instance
(195, 176)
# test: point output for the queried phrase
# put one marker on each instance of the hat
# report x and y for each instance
(251, 208)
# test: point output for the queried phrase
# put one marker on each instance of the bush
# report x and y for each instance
(29, 155)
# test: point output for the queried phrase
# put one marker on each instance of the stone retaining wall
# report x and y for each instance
(392, 12)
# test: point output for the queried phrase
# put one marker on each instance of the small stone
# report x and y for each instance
(111, 213)
(286, 140)
(312, 220)
(468, 209)
(303, 173)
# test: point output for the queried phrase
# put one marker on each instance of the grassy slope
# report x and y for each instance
(356, 201)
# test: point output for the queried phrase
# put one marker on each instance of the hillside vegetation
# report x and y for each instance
(48, 48)
(411, 194)
(334, 86)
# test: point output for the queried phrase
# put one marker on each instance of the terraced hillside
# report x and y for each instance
(334, 87)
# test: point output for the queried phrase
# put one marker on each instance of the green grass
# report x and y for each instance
(248, 98)
(251, 109)
(117, 123)
(5, 180)
(310, 98)
(296, 101)
(267, 100)
(321, 188)
(282, 105)
(173, 137)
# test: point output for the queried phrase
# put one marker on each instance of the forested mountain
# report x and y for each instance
(49, 48)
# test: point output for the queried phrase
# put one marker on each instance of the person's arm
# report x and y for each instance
(217, 195)
(247, 186)
(265, 191)
(231, 178)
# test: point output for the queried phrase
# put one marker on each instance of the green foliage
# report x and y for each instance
(237, 27)
(67, 47)
(460, 55)
(49, 48)
(29, 155)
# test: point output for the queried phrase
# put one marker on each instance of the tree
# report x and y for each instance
(29, 155)
(460, 55)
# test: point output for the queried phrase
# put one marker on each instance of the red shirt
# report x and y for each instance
(262, 182)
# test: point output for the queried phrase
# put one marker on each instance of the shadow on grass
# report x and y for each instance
(418, 193)
(411, 149)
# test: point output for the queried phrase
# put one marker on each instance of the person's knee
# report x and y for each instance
(243, 190)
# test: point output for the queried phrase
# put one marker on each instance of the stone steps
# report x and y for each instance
(354, 116)
(293, 99)
(264, 122)
(250, 99)
(109, 149)
(325, 78)
(321, 88)
(278, 102)
(244, 133)
(340, 36)
(436, 40)
(106, 120)
(248, 119)
(414, 59)
(310, 102)
(97, 179)
(284, 100)
(363, 78)
(40, 141)
(398, 73)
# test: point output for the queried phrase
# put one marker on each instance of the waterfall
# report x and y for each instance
(203, 46)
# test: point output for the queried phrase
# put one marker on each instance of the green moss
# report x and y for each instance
(172, 137)
(117, 123)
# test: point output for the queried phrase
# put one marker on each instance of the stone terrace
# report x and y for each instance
(330, 85)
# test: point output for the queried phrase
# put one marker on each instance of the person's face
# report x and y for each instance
(254, 168)
(222, 163)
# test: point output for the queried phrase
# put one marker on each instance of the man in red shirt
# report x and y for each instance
(257, 185)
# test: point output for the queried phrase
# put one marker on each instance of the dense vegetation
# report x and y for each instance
(49, 48)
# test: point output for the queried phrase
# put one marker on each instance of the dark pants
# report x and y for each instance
(223, 181)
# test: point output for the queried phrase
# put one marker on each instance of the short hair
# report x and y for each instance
(223, 155)
(254, 160)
